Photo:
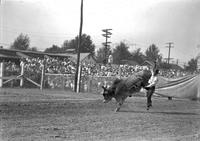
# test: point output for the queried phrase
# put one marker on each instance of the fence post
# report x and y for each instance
(79, 77)
(22, 73)
(1, 73)
(89, 83)
(63, 82)
(42, 77)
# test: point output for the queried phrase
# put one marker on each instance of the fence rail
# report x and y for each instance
(61, 81)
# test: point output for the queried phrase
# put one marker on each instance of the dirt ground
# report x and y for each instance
(34, 115)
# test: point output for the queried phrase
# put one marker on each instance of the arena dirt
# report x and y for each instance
(70, 116)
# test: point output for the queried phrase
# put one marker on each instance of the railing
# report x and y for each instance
(53, 81)
(66, 82)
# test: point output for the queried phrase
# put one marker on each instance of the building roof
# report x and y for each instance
(130, 62)
(7, 56)
(11, 53)
(74, 56)
(147, 63)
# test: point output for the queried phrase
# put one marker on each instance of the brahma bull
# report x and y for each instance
(123, 88)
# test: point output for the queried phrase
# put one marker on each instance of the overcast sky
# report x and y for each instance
(140, 22)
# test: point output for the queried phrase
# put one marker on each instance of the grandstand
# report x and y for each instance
(24, 59)
(29, 69)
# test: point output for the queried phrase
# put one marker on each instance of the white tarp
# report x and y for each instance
(185, 87)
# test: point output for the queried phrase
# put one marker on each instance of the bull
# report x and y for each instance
(123, 88)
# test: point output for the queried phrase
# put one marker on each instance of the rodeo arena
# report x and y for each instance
(38, 101)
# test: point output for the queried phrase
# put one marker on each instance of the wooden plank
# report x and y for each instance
(17, 77)
(33, 82)
(9, 77)
(58, 74)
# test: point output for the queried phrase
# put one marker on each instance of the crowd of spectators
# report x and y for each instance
(109, 70)
(11, 68)
(33, 69)
(66, 66)
(60, 66)
(173, 73)
(52, 65)
(126, 70)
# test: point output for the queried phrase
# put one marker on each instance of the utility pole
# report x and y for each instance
(2, 19)
(107, 34)
(169, 46)
(77, 75)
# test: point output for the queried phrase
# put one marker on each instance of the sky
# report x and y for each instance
(138, 23)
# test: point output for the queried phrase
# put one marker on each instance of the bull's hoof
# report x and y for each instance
(148, 107)
(169, 98)
(117, 109)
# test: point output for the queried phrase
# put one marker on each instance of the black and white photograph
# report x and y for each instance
(99, 70)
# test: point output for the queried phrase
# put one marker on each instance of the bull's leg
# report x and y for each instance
(120, 103)
(118, 108)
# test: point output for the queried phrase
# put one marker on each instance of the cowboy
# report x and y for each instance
(151, 87)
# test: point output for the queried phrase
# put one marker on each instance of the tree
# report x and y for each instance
(192, 65)
(86, 44)
(121, 53)
(22, 42)
(65, 46)
(53, 49)
(152, 53)
(101, 55)
(33, 49)
(138, 56)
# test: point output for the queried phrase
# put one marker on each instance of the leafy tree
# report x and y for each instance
(53, 49)
(65, 46)
(33, 49)
(86, 44)
(152, 53)
(22, 42)
(121, 53)
(138, 56)
(192, 65)
(102, 54)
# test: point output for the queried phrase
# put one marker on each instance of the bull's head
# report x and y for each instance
(107, 94)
